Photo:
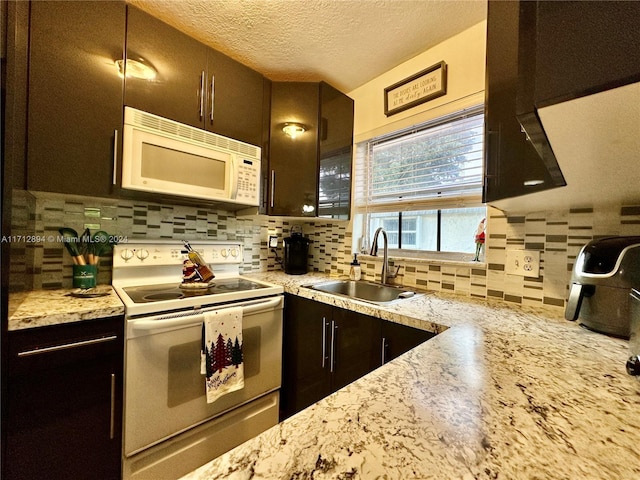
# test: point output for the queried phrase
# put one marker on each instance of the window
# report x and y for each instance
(424, 185)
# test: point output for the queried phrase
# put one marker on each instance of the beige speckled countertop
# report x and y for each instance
(504, 392)
(39, 308)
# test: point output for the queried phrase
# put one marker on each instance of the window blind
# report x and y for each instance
(438, 164)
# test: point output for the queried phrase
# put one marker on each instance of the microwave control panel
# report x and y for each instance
(248, 181)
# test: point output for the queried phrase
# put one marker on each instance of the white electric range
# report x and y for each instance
(169, 428)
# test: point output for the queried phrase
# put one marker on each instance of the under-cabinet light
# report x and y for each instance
(533, 183)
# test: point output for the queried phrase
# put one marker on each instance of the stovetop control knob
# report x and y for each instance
(224, 252)
(234, 252)
(126, 254)
(142, 254)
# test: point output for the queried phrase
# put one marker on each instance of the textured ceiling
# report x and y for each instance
(344, 42)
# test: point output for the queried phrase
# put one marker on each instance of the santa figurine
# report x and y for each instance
(480, 239)
(189, 272)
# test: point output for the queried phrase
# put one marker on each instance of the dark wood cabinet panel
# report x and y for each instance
(293, 162)
(64, 406)
(74, 96)
(180, 63)
(325, 348)
(357, 341)
(583, 47)
(195, 84)
(238, 100)
(310, 175)
(511, 161)
(539, 54)
(336, 151)
(305, 376)
(398, 339)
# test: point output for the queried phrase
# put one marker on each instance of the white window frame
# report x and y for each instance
(364, 206)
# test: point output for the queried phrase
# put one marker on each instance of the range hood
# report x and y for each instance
(596, 142)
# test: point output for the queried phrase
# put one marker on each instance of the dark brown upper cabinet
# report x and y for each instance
(545, 54)
(194, 84)
(335, 153)
(74, 121)
(577, 48)
(310, 175)
(513, 167)
(562, 59)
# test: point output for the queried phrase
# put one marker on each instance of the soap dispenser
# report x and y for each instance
(355, 273)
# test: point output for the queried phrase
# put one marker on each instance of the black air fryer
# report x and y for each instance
(296, 252)
(604, 273)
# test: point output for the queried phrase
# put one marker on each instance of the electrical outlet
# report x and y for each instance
(273, 241)
(525, 263)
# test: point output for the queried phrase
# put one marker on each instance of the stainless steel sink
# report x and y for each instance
(361, 290)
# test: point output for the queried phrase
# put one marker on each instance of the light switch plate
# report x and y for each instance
(273, 241)
(525, 263)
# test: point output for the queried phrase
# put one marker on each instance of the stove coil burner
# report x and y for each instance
(155, 297)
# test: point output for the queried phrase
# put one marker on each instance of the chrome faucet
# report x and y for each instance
(384, 275)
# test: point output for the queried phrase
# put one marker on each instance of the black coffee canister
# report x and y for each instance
(296, 254)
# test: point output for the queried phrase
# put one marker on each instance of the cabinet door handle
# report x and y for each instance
(201, 112)
(384, 341)
(324, 342)
(213, 94)
(112, 419)
(115, 157)
(273, 187)
(66, 346)
(332, 360)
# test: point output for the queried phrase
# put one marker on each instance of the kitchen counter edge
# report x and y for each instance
(504, 391)
(39, 308)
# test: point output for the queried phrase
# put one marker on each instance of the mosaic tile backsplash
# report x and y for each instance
(558, 235)
(39, 260)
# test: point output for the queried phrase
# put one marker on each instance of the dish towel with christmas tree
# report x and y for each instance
(221, 354)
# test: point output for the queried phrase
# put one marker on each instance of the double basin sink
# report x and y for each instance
(362, 290)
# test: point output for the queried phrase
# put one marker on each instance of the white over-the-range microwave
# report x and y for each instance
(163, 156)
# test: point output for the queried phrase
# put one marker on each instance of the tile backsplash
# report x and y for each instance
(37, 263)
(39, 260)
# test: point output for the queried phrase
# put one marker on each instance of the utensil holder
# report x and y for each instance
(85, 276)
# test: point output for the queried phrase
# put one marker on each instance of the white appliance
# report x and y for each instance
(169, 428)
(163, 156)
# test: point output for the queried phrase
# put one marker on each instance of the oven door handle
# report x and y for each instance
(262, 306)
(194, 318)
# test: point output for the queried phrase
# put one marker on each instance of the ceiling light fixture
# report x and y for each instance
(293, 129)
(135, 69)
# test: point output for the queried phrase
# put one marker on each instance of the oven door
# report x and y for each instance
(164, 390)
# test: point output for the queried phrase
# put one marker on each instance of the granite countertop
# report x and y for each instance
(39, 308)
(502, 392)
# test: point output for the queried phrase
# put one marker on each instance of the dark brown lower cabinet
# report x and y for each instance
(326, 348)
(64, 407)
(398, 339)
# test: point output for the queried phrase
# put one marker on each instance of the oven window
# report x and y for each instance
(169, 165)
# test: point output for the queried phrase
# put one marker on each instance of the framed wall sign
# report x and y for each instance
(419, 88)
